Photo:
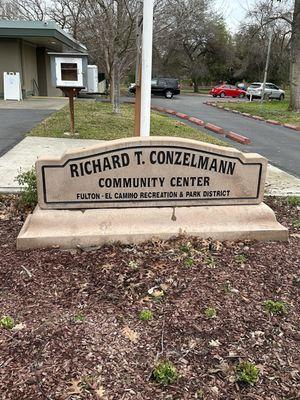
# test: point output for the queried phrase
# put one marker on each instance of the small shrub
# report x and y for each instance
(133, 265)
(241, 259)
(209, 260)
(210, 312)
(297, 223)
(146, 315)
(247, 373)
(275, 307)
(86, 382)
(79, 318)
(293, 201)
(186, 248)
(189, 262)
(157, 293)
(296, 281)
(165, 373)
(28, 195)
(7, 322)
(199, 394)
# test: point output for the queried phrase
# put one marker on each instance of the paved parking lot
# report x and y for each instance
(281, 146)
(18, 118)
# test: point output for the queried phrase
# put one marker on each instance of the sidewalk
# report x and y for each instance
(25, 153)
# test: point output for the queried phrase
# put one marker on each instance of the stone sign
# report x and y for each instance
(150, 172)
(135, 189)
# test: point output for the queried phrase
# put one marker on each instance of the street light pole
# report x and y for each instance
(267, 66)
(147, 39)
(267, 60)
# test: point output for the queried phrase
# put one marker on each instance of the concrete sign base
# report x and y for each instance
(94, 227)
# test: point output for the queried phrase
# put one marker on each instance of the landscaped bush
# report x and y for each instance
(7, 322)
(28, 195)
(275, 307)
(247, 373)
(146, 315)
(165, 373)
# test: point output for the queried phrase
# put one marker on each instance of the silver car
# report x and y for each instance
(271, 91)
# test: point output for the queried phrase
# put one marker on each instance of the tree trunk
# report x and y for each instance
(116, 88)
(116, 108)
(112, 86)
(295, 60)
(195, 85)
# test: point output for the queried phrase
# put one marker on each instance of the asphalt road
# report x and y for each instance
(281, 146)
(15, 123)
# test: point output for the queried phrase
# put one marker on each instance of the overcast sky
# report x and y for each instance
(234, 11)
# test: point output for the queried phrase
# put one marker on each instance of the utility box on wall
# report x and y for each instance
(69, 69)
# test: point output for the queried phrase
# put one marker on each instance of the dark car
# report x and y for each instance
(162, 86)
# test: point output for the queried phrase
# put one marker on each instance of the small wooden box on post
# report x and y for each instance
(69, 73)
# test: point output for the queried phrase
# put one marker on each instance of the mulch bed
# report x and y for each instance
(79, 336)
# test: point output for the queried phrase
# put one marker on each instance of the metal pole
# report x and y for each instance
(268, 59)
(267, 66)
(147, 38)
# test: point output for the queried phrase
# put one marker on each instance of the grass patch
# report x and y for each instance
(274, 109)
(293, 201)
(96, 121)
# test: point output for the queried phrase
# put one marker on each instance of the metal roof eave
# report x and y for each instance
(18, 33)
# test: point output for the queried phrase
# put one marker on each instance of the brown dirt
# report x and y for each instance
(111, 353)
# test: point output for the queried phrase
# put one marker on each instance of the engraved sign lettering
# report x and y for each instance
(150, 172)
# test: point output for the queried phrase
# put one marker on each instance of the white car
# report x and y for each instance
(271, 91)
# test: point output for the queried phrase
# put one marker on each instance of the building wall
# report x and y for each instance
(52, 91)
(29, 64)
(41, 70)
(20, 56)
(10, 59)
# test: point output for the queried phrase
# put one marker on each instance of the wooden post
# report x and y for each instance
(71, 106)
(71, 92)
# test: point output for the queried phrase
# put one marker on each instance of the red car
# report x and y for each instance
(227, 90)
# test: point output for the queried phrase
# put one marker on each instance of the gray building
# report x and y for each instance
(23, 48)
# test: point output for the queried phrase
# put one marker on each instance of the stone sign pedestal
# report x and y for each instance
(134, 189)
(75, 228)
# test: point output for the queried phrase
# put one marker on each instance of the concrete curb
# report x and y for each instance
(169, 111)
(211, 127)
(257, 117)
(272, 122)
(214, 128)
(182, 115)
(294, 127)
(238, 138)
(196, 121)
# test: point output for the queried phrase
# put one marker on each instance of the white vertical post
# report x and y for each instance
(146, 67)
